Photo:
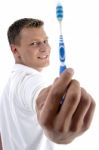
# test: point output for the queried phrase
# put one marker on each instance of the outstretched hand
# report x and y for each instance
(62, 123)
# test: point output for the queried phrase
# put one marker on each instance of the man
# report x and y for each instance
(31, 116)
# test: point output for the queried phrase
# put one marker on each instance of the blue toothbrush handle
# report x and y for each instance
(62, 54)
(62, 68)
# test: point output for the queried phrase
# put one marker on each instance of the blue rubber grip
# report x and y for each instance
(62, 68)
(62, 55)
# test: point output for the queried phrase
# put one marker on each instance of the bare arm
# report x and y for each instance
(63, 123)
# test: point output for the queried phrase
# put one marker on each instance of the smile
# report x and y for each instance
(43, 57)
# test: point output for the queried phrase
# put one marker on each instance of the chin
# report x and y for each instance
(44, 66)
(47, 64)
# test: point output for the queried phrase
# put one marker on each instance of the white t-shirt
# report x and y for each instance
(18, 123)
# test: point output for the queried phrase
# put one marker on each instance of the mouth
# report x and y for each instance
(44, 57)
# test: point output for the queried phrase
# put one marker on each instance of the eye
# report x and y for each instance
(34, 43)
(45, 41)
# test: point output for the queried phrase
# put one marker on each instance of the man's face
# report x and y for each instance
(34, 50)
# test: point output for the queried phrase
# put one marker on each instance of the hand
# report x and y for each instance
(62, 123)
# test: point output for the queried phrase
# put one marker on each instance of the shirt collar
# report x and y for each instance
(21, 67)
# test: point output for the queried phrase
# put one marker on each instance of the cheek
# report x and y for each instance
(31, 55)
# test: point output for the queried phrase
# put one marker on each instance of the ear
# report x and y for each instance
(14, 50)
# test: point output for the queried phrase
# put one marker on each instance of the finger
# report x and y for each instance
(89, 115)
(60, 85)
(83, 106)
(69, 105)
(41, 98)
(55, 94)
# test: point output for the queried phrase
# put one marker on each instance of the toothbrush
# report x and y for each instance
(59, 15)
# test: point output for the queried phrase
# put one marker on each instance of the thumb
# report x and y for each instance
(60, 84)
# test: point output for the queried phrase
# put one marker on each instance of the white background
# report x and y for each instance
(81, 37)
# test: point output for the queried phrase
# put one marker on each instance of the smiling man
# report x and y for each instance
(31, 46)
(31, 115)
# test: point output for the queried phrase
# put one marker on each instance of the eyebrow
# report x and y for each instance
(39, 40)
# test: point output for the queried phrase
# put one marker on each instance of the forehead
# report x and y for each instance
(33, 33)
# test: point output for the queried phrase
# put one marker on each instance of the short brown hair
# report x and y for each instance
(15, 29)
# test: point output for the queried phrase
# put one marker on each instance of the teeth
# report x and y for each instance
(43, 57)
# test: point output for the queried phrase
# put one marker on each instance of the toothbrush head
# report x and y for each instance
(59, 12)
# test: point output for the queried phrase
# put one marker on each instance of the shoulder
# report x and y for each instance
(25, 73)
